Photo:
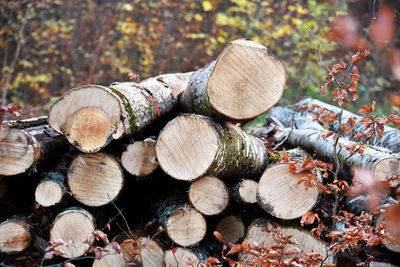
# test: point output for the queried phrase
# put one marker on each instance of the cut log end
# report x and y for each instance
(17, 153)
(74, 227)
(181, 257)
(15, 236)
(48, 193)
(110, 258)
(247, 191)
(89, 116)
(186, 147)
(231, 228)
(389, 167)
(280, 194)
(239, 96)
(143, 252)
(186, 226)
(140, 158)
(209, 195)
(95, 179)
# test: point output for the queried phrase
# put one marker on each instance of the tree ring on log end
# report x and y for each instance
(48, 193)
(248, 191)
(387, 167)
(231, 228)
(74, 227)
(186, 226)
(232, 93)
(89, 116)
(209, 195)
(187, 146)
(95, 179)
(17, 154)
(280, 194)
(15, 236)
(181, 257)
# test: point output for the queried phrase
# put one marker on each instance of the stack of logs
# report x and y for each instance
(179, 174)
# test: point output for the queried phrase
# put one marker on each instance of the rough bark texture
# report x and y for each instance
(15, 236)
(308, 136)
(95, 179)
(390, 137)
(76, 225)
(91, 116)
(231, 228)
(191, 146)
(24, 148)
(140, 158)
(244, 82)
(50, 190)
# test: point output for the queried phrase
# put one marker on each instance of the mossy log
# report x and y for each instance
(231, 228)
(390, 136)
(74, 226)
(245, 191)
(139, 158)
(191, 146)
(26, 143)
(50, 190)
(310, 139)
(91, 116)
(184, 224)
(245, 81)
(209, 195)
(258, 236)
(95, 179)
(15, 235)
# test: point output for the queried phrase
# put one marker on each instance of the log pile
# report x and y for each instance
(121, 160)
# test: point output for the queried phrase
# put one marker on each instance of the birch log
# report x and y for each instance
(91, 116)
(390, 136)
(26, 143)
(191, 146)
(15, 236)
(245, 81)
(308, 136)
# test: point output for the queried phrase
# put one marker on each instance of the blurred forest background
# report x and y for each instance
(50, 46)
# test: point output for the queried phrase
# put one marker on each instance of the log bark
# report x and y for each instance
(231, 228)
(257, 236)
(191, 146)
(91, 116)
(184, 224)
(209, 195)
(140, 158)
(50, 190)
(245, 81)
(74, 226)
(245, 192)
(25, 144)
(15, 236)
(95, 179)
(390, 136)
(310, 139)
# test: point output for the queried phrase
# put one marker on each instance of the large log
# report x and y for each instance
(26, 143)
(390, 136)
(74, 226)
(191, 146)
(15, 235)
(308, 136)
(91, 116)
(95, 179)
(245, 81)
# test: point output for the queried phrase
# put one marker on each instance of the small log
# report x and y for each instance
(74, 226)
(245, 191)
(15, 236)
(91, 116)
(51, 190)
(184, 224)
(140, 158)
(245, 81)
(231, 228)
(209, 195)
(142, 251)
(110, 259)
(191, 146)
(256, 236)
(26, 143)
(390, 136)
(280, 194)
(95, 179)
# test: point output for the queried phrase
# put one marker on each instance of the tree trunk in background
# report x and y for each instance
(51, 190)
(191, 146)
(91, 116)
(245, 81)
(390, 137)
(15, 236)
(95, 179)
(26, 143)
